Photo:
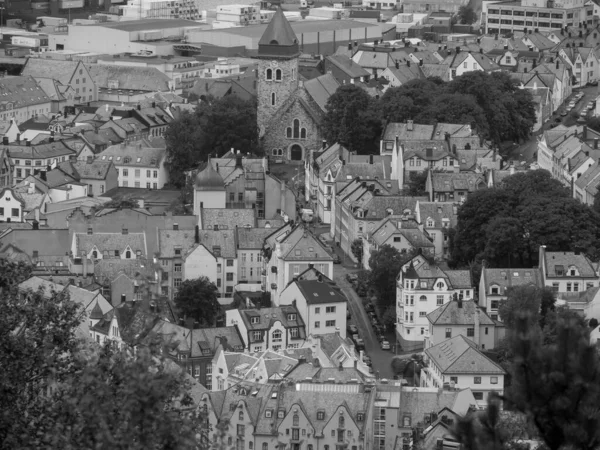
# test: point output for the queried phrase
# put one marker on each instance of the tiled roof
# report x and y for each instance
(460, 355)
(169, 240)
(556, 262)
(459, 279)
(36, 283)
(129, 78)
(96, 170)
(107, 270)
(379, 60)
(436, 70)
(20, 92)
(252, 238)
(506, 278)
(415, 132)
(449, 182)
(453, 314)
(379, 206)
(301, 245)
(133, 155)
(54, 69)
(111, 242)
(39, 151)
(56, 178)
(224, 239)
(227, 218)
(348, 66)
(317, 292)
(47, 242)
(437, 211)
(417, 403)
(426, 150)
(321, 88)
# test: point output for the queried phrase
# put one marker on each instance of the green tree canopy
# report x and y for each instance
(386, 263)
(506, 225)
(357, 249)
(198, 299)
(215, 127)
(352, 119)
(467, 15)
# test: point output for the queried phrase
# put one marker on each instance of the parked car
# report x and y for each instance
(369, 307)
(385, 345)
(337, 259)
(353, 329)
(380, 337)
(351, 277)
(590, 105)
(367, 361)
(355, 337)
(360, 344)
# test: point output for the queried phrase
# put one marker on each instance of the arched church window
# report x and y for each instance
(273, 98)
(303, 133)
(278, 75)
(269, 75)
(296, 124)
(288, 132)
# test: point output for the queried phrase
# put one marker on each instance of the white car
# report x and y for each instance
(590, 105)
(385, 345)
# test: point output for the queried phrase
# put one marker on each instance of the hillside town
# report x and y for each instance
(300, 225)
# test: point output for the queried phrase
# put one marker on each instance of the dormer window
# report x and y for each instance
(291, 317)
(430, 222)
(254, 320)
(495, 290)
(559, 270)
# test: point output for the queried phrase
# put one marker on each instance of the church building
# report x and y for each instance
(290, 109)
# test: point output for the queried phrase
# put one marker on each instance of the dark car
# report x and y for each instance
(353, 329)
(369, 307)
(380, 337)
(351, 277)
(337, 259)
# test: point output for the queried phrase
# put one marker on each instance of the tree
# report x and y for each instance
(456, 108)
(519, 300)
(357, 249)
(385, 263)
(352, 119)
(37, 341)
(405, 102)
(198, 299)
(417, 183)
(231, 123)
(467, 15)
(389, 317)
(593, 323)
(120, 401)
(215, 127)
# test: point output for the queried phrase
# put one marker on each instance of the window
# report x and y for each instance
(470, 332)
(273, 99)
(241, 415)
(317, 324)
(478, 395)
(294, 332)
(320, 415)
(422, 314)
(330, 309)
(137, 173)
(268, 414)
(117, 253)
(477, 380)
(440, 300)
(230, 263)
(454, 380)
(486, 330)
(276, 336)
(317, 310)
(229, 276)
(178, 267)
(330, 323)
(494, 304)
(125, 172)
(265, 446)
(269, 74)
(14, 212)
(448, 333)
(295, 420)
(241, 430)
(494, 380)
(155, 174)
(278, 75)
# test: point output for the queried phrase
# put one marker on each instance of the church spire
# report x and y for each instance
(279, 39)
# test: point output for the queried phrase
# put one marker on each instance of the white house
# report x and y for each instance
(320, 303)
(458, 363)
(11, 206)
(421, 288)
(138, 166)
(269, 328)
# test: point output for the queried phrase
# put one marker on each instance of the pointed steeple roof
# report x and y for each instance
(209, 179)
(279, 39)
(96, 313)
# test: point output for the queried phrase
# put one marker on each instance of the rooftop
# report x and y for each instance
(459, 355)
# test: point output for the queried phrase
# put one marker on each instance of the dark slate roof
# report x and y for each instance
(460, 355)
(316, 292)
(279, 33)
(506, 278)
(209, 180)
(453, 314)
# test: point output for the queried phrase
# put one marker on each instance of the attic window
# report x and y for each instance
(297, 252)
(315, 294)
(104, 157)
(139, 159)
(559, 270)
(291, 317)
(320, 415)
(255, 319)
(118, 158)
(281, 414)
(269, 413)
(126, 160)
(515, 274)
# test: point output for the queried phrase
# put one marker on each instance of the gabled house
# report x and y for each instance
(422, 287)
(585, 188)
(567, 273)
(321, 304)
(345, 70)
(121, 280)
(273, 329)
(12, 206)
(462, 62)
(400, 233)
(453, 187)
(436, 219)
(96, 246)
(463, 318)
(288, 252)
(99, 176)
(549, 141)
(494, 283)
(584, 64)
(194, 349)
(458, 363)
(400, 74)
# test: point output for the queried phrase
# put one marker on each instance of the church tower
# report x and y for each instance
(278, 54)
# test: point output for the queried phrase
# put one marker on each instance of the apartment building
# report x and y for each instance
(457, 363)
(567, 273)
(273, 329)
(541, 15)
(436, 219)
(422, 287)
(320, 303)
(250, 242)
(138, 166)
(28, 158)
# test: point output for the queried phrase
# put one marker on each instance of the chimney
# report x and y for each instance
(408, 63)
(428, 152)
(238, 160)
(18, 137)
(477, 324)
(409, 125)
(90, 159)
(5, 140)
(324, 143)
(557, 63)
(481, 50)
(421, 62)
(595, 143)
(355, 43)
(505, 46)
(397, 64)
(457, 50)
(139, 107)
(371, 159)
(154, 104)
(85, 265)
(460, 301)
(349, 45)
(27, 143)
